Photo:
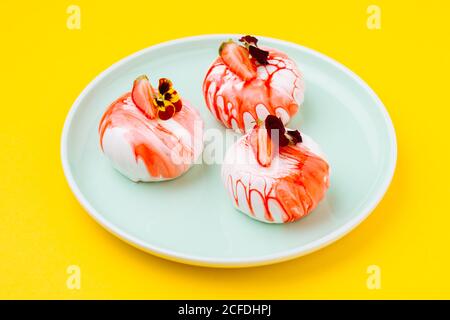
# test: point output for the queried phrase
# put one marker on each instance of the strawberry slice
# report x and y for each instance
(143, 97)
(261, 145)
(237, 58)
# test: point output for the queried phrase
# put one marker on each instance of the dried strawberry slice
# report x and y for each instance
(261, 145)
(237, 58)
(143, 97)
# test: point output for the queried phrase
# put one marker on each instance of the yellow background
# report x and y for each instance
(44, 66)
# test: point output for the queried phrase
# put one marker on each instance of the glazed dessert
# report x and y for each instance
(151, 134)
(274, 174)
(248, 82)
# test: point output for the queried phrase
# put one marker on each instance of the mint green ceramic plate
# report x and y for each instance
(190, 219)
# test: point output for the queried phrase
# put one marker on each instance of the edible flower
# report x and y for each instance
(285, 137)
(251, 43)
(167, 100)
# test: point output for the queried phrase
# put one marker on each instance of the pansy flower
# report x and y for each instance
(167, 101)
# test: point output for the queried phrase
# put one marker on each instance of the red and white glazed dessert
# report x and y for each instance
(151, 134)
(247, 82)
(275, 175)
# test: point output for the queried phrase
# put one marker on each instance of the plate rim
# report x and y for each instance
(229, 262)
